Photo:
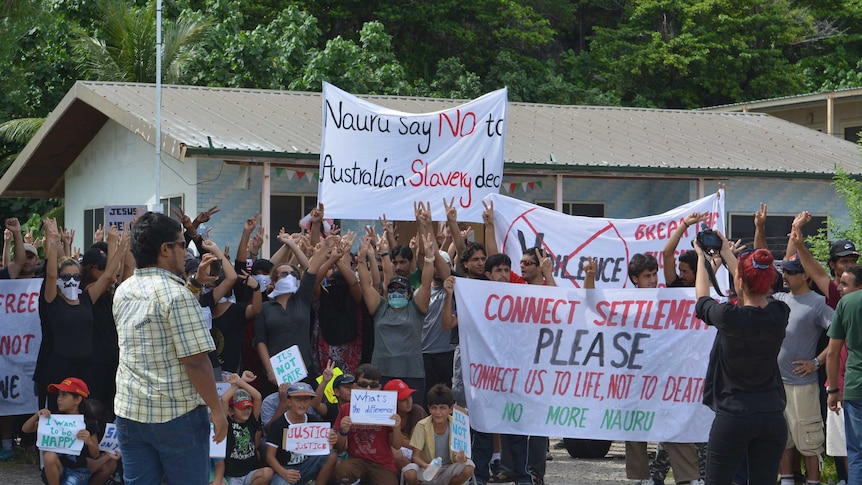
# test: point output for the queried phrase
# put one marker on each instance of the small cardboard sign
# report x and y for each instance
(109, 442)
(373, 407)
(307, 439)
(58, 433)
(459, 437)
(288, 365)
(120, 215)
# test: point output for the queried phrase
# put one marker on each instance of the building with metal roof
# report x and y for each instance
(258, 150)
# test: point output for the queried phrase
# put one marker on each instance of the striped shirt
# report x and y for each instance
(159, 322)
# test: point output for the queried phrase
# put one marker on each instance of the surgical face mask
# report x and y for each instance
(231, 298)
(263, 280)
(288, 284)
(69, 289)
(398, 300)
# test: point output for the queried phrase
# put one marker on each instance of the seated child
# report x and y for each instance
(410, 414)
(431, 440)
(68, 469)
(106, 465)
(369, 446)
(290, 467)
(241, 465)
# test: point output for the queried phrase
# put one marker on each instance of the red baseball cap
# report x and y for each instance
(403, 389)
(71, 384)
(241, 399)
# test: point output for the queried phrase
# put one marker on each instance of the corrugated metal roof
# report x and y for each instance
(263, 124)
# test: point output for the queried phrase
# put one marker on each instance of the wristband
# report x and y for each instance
(343, 433)
(816, 362)
(383, 255)
(257, 288)
(429, 259)
(832, 391)
(195, 283)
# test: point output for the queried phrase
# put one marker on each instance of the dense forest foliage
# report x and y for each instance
(648, 53)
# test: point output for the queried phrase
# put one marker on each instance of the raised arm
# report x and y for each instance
(252, 310)
(760, 228)
(247, 229)
(316, 223)
(317, 402)
(812, 268)
(449, 319)
(117, 248)
(422, 298)
(669, 252)
(590, 268)
(54, 246)
(20, 256)
(454, 230)
(490, 231)
(799, 221)
(223, 288)
(369, 293)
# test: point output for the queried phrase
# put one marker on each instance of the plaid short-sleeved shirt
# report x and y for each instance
(159, 322)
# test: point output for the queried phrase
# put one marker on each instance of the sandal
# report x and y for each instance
(501, 477)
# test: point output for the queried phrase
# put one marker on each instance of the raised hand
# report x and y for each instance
(760, 216)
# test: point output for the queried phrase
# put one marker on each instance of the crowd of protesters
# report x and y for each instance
(139, 328)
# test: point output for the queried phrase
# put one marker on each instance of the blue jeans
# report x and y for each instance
(178, 449)
(72, 476)
(853, 433)
(308, 470)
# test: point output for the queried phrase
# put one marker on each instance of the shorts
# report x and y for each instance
(72, 476)
(444, 476)
(836, 442)
(246, 480)
(804, 424)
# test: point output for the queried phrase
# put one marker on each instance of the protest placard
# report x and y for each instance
(58, 433)
(288, 365)
(459, 439)
(20, 339)
(307, 438)
(571, 240)
(595, 364)
(373, 157)
(120, 215)
(217, 450)
(373, 407)
(109, 442)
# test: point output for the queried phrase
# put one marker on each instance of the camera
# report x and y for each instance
(708, 240)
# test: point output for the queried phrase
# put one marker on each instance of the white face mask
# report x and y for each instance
(286, 285)
(69, 289)
(231, 299)
(263, 280)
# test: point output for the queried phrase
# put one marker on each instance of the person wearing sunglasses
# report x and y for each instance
(743, 383)
(67, 312)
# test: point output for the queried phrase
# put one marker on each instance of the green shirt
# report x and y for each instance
(847, 326)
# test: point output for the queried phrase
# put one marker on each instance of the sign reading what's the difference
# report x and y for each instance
(372, 156)
(598, 364)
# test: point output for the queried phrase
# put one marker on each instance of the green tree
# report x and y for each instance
(849, 189)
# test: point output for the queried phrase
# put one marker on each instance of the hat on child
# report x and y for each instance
(71, 384)
(343, 380)
(404, 391)
(241, 399)
(300, 389)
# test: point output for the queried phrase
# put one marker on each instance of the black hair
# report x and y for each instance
(471, 250)
(856, 271)
(440, 394)
(403, 251)
(640, 263)
(535, 252)
(97, 411)
(368, 371)
(495, 260)
(690, 258)
(149, 232)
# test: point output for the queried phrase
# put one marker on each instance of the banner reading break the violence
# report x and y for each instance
(375, 160)
(570, 240)
(598, 364)
(20, 338)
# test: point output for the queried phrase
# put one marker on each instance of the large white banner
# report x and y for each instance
(20, 338)
(598, 364)
(375, 159)
(570, 240)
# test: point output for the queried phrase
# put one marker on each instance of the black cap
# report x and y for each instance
(343, 380)
(261, 266)
(94, 257)
(399, 281)
(794, 265)
(842, 248)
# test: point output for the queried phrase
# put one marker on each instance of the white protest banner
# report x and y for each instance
(373, 157)
(288, 365)
(307, 438)
(597, 364)
(58, 433)
(217, 450)
(20, 339)
(373, 407)
(109, 442)
(460, 436)
(119, 215)
(571, 240)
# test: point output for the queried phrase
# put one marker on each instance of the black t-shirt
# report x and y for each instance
(80, 461)
(743, 376)
(4, 274)
(106, 347)
(70, 325)
(241, 456)
(275, 437)
(227, 333)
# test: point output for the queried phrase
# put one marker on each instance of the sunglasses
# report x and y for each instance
(285, 274)
(529, 262)
(66, 277)
(397, 289)
(371, 384)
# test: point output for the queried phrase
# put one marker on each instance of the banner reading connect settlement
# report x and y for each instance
(598, 364)
(570, 240)
(373, 157)
(20, 338)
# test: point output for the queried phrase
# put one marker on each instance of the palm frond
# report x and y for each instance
(20, 130)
